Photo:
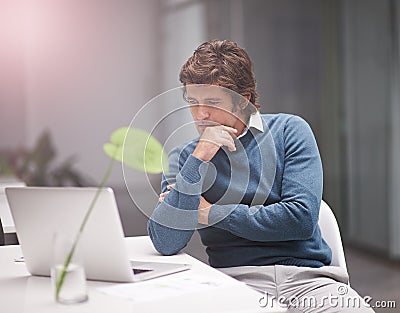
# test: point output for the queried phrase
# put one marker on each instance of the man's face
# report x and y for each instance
(212, 105)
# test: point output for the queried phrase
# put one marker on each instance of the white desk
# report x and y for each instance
(20, 292)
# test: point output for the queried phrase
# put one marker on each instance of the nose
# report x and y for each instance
(200, 112)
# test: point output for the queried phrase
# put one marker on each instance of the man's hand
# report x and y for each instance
(162, 195)
(203, 209)
(212, 139)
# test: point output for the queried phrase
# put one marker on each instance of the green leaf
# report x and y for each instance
(113, 151)
(137, 149)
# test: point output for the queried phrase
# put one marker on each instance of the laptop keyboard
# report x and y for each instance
(139, 270)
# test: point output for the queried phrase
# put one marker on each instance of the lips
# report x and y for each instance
(205, 124)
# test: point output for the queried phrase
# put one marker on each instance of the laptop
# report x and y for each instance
(40, 212)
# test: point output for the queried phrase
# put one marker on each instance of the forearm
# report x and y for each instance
(166, 240)
(173, 222)
(281, 221)
(175, 218)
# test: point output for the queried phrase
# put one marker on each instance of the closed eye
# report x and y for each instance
(209, 102)
(192, 101)
(213, 102)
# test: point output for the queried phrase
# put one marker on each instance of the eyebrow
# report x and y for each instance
(213, 99)
(206, 99)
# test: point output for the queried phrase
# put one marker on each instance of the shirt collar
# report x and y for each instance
(255, 121)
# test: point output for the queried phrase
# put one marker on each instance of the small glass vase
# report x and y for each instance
(68, 282)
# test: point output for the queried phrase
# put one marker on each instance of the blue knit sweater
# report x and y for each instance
(266, 197)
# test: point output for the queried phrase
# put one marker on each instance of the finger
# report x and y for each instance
(230, 130)
(228, 141)
(169, 187)
(163, 194)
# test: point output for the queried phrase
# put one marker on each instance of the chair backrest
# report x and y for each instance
(1, 234)
(331, 234)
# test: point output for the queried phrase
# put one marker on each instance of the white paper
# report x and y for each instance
(164, 287)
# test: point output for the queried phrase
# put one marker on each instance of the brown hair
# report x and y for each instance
(222, 63)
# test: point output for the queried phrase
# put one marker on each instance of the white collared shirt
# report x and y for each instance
(255, 121)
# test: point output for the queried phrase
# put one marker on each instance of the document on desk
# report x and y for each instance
(163, 287)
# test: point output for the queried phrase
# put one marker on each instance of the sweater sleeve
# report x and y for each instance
(173, 221)
(295, 216)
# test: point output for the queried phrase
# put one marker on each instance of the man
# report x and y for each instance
(251, 184)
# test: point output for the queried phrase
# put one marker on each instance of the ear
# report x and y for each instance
(244, 103)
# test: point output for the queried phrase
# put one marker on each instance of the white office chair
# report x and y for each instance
(1, 234)
(331, 234)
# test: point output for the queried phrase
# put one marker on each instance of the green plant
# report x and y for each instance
(141, 152)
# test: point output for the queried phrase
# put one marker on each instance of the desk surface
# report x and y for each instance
(20, 292)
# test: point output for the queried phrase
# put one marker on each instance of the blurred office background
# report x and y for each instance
(80, 69)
